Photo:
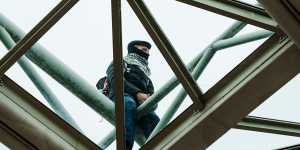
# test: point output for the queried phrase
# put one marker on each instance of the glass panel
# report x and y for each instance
(249, 140)
(282, 105)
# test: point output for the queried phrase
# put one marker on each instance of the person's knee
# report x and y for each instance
(155, 119)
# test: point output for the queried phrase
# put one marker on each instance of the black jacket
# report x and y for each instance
(135, 80)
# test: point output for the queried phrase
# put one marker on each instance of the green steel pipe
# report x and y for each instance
(257, 35)
(73, 82)
(267, 125)
(197, 62)
(208, 54)
(38, 81)
(231, 31)
(106, 141)
(65, 76)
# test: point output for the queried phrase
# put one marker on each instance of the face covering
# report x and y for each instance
(139, 52)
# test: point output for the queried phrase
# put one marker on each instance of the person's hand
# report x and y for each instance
(141, 97)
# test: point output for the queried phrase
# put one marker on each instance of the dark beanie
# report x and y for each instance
(137, 42)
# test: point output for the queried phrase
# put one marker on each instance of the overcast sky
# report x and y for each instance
(82, 40)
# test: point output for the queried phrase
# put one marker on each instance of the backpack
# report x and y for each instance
(103, 85)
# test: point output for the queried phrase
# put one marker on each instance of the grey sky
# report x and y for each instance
(82, 40)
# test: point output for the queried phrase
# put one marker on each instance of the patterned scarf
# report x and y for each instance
(141, 62)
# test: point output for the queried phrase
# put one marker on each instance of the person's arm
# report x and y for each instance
(150, 88)
(128, 87)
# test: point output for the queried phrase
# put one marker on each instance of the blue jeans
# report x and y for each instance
(147, 122)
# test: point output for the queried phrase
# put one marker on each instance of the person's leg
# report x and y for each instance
(148, 122)
(130, 110)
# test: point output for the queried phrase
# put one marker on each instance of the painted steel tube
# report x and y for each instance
(257, 35)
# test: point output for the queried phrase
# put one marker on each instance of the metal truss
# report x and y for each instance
(212, 114)
(35, 34)
(27, 123)
(286, 13)
(264, 67)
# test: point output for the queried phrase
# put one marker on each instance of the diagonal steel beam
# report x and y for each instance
(35, 34)
(270, 126)
(34, 124)
(12, 140)
(118, 72)
(260, 75)
(286, 13)
(168, 51)
(237, 10)
(293, 147)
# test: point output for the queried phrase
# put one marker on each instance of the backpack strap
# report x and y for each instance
(100, 83)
